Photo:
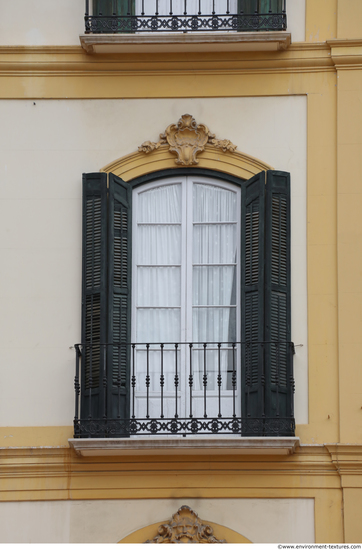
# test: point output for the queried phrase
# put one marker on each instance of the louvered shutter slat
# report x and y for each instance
(252, 297)
(94, 293)
(119, 283)
(278, 366)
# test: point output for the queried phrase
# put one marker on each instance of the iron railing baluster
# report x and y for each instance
(234, 381)
(119, 380)
(162, 380)
(205, 381)
(277, 379)
(185, 7)
(76, 383)
(176, 382)
(148, 380)
(263, 380)
(219, 377)
(247, 375)
(90, 382)
(291, 383)
(103, 383)
(171, 12)
(191, 379)
(133, 380)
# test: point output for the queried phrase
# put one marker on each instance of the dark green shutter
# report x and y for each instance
(94, 293)
(116, 7)
(278, 295)
(256, 7)
(119, 8)
(119, 295)
(260, 6)
(266, 362)
(252, 295)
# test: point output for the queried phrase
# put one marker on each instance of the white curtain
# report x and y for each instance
(214, 279)
(158, 280)
(212, 244)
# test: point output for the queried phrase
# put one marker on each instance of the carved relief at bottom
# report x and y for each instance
(185, 527)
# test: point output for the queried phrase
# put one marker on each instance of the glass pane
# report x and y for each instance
(159, 244)
(214, 324)
(213, 204)
(158, 325)
(214, 244)
(158, 286)
(214, 286)
(162, 204)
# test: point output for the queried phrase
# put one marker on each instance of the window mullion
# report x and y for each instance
(188, 258)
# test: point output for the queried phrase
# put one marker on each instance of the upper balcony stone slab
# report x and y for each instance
(185, 42)
(185, 446)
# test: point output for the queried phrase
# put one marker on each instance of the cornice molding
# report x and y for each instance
(347, 459)
(346, 54)
(58, 473)
(73, 61)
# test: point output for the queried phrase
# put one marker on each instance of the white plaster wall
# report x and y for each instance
(60, 22)
(106, 521)
(44, 148)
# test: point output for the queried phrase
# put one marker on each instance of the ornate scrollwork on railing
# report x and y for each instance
(187, 139)
(185, 527)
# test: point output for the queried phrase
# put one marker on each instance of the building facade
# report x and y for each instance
(181, 331)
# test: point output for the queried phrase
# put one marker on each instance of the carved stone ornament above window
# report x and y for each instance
(185, 527)
(187, 139)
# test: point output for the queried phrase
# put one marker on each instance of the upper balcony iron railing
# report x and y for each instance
(243, 389)
(145, 16)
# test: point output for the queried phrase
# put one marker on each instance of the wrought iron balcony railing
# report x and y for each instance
(144, 16)
(243, 389)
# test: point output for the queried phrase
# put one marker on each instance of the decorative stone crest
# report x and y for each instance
(185, 527)
(187, 139)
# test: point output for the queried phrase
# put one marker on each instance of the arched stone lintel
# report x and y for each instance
(138, 164)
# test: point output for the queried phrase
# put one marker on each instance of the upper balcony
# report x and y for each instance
(116, 26)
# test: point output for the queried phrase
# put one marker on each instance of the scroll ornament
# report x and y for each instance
(185, 527)
(187, 139)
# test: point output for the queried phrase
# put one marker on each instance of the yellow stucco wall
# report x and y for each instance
(329, 74)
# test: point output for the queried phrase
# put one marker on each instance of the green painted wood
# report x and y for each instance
(252, 295)
(113, 7)
(278, 356)
(94, 293)
(260, 6)
(119, 296)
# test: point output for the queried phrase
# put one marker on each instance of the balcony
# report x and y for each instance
(113, 26)
(186, 392)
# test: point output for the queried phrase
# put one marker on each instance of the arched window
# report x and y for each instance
(186, 304)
